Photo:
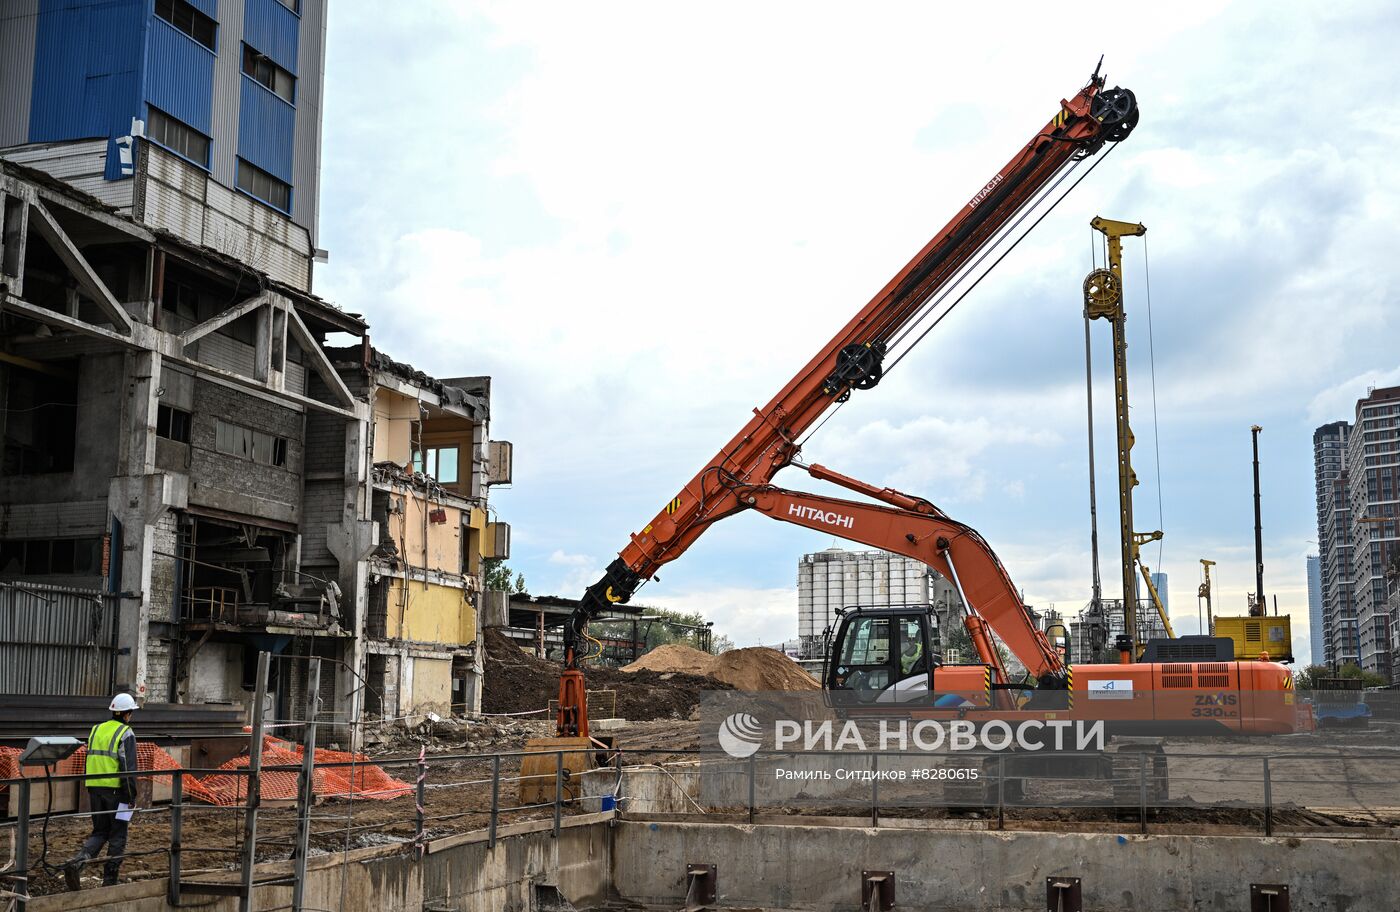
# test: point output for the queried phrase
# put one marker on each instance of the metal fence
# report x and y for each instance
(485, 794)
(57, 640)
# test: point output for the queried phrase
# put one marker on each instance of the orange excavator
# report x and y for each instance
(864, 658)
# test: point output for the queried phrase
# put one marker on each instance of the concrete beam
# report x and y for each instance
(82, 271)
(223, 319)
(319, 362)
(54, 318)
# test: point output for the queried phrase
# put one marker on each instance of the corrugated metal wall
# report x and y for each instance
(179, 75)
(266, 130)
(19, 20)
(306, 202)
(228, 89)
(272, 29)
(56, 640)
(87, 75)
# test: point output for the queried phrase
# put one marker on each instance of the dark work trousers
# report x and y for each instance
(106, 829)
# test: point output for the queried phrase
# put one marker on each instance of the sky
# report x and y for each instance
(642, 219)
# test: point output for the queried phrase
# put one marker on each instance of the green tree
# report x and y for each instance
(1307, 678)
(499, 576)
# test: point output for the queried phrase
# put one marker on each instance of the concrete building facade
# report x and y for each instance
(1373, 488)
(1340, 638)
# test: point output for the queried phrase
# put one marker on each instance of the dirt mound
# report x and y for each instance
(674, 657)
(761, 668)
(517, 682)
(756, 668)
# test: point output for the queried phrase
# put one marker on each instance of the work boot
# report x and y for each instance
(73, 869)
(109, 878)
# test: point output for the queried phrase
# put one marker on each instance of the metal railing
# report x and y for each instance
(425, 779)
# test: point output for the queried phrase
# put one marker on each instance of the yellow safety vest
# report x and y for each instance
(104, 754)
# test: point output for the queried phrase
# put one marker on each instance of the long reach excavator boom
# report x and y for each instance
(853, 360)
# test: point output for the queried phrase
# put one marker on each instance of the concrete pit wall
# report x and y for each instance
(819, 868)
(457, 873)
(811, 868)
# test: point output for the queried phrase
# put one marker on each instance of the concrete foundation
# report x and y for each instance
(817, 868)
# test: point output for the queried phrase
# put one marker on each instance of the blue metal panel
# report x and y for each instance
(87, 68)
(270, 28)
(266, 130)
(179, 75)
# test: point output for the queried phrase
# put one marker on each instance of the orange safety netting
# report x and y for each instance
(363, 780)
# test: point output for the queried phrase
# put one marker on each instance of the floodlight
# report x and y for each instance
(48, 750)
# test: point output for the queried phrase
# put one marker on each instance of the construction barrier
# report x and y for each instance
(363, 779)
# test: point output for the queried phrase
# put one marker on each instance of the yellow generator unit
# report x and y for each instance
(1255, 636)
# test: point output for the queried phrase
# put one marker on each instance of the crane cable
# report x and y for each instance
(927, 307)
(958, 300)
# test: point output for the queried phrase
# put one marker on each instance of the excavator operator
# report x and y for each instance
(912, 654)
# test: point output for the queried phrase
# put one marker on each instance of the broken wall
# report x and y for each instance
(245, 482)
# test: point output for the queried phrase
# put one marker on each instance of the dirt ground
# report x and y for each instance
(517, 682)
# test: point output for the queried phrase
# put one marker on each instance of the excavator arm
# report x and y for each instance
(854, 359)
(915, 528)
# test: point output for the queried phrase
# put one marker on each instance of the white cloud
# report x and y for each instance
(749, 617)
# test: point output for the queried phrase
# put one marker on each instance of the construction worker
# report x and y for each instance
(913, 649)
(111, 749)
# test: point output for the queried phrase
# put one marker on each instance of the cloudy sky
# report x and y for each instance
(642, 219)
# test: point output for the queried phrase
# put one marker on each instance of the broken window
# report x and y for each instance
(441, 463)
(44, 556)
(246, 443)
(173, 424)
(41, 422)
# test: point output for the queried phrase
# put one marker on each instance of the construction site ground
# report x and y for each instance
(459, 800)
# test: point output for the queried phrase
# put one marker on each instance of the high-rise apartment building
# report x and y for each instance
(1373, 483)
(1339, 631)
(1159, 582)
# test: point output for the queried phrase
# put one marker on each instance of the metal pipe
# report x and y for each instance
(495, 801)
(558, 790)
(306, 793)
(1093, 492)
(250, 820)
(177, 816)
(1258, 610)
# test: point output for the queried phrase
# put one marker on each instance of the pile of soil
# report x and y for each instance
(754, 669)
(674, 657)
(517, 682)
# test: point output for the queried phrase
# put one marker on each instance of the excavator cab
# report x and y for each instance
(883, 655)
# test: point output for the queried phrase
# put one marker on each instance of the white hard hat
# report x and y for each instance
(123, 702)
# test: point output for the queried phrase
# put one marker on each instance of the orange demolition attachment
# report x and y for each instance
(854, 359)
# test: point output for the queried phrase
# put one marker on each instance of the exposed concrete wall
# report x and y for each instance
(458, 874)
(819, 868)
(234, 483)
